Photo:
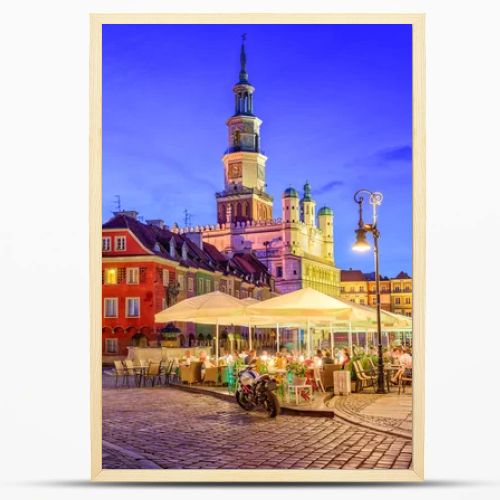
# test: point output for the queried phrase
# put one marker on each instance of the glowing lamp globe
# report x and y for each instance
(361, 244)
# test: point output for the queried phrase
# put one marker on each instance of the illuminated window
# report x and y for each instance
(120, 243)
(110, 308)
(106, 244)
(132, 307)
(110, 276)
(132, 275)
(111, 346)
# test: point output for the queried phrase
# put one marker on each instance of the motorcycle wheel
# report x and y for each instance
(272, 405)
(242, 400)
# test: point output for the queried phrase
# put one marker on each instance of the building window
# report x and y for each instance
(351, 289)
(361, 288)
(397, 289)
(342, 288)
(397, 300)
(408, 300)
(106, 244)
(216, 285)
(180, 280)
(111, 346)
(111, 308)
(407, 289)
(120, 243)
(200, 286)
(164, 277)
(132, 307)
(110, 276)
(362, 302)
(132, 275)
(279, 271)
(163, 303)
(374, 301)
(190, 284)
(207, 286)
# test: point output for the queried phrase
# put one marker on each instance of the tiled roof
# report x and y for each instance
(402, 276)
(352, 275)
(158, 241)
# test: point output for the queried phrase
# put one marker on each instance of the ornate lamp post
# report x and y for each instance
(362, 245)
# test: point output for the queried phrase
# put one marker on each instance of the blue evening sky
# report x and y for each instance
(335, 101)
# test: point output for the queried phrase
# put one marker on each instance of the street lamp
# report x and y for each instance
(361, 245)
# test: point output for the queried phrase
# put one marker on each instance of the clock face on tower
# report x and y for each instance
(234, 170)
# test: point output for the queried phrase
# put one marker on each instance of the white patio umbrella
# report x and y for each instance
(302, 306)
(210, 308)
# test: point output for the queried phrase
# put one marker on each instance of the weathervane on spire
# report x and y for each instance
(243, 60)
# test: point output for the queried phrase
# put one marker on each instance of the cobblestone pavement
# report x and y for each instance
(166, 428)
(387, 413)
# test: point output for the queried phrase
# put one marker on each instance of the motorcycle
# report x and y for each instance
(254, 390)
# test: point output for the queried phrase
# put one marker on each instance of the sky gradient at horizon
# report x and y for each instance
(335, 101)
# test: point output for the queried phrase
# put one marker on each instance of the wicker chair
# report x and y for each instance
(152, 373)
(191, 374)
(120, 372)
(327, 374)
(404, 378)
(131, 371)
(212, 375)
(362, 378)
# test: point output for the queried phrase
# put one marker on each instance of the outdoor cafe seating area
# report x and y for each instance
(302, 369)
(300, 379)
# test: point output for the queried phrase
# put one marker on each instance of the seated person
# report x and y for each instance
(186, 359)
(205, 363)
(406, 368)
(250, 356)
(327, 359)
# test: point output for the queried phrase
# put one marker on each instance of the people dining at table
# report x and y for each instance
(405, 361)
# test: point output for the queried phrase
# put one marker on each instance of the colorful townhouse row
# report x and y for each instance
(395, 293)
(146, 268)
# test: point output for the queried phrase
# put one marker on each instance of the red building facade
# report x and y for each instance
(146, 268)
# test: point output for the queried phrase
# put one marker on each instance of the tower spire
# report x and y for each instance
(243, 60)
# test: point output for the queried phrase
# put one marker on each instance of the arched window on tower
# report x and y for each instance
(222, 213)
(236, 138)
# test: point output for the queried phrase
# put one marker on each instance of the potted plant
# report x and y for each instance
(298, 371)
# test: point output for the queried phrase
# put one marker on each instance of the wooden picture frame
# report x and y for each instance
(416, 473)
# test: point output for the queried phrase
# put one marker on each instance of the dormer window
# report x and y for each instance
(120, 243)
(184, 251)
(157, 248)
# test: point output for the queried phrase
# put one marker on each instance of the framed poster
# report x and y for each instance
(236, 161)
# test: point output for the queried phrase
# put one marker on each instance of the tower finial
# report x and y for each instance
(243, 60)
